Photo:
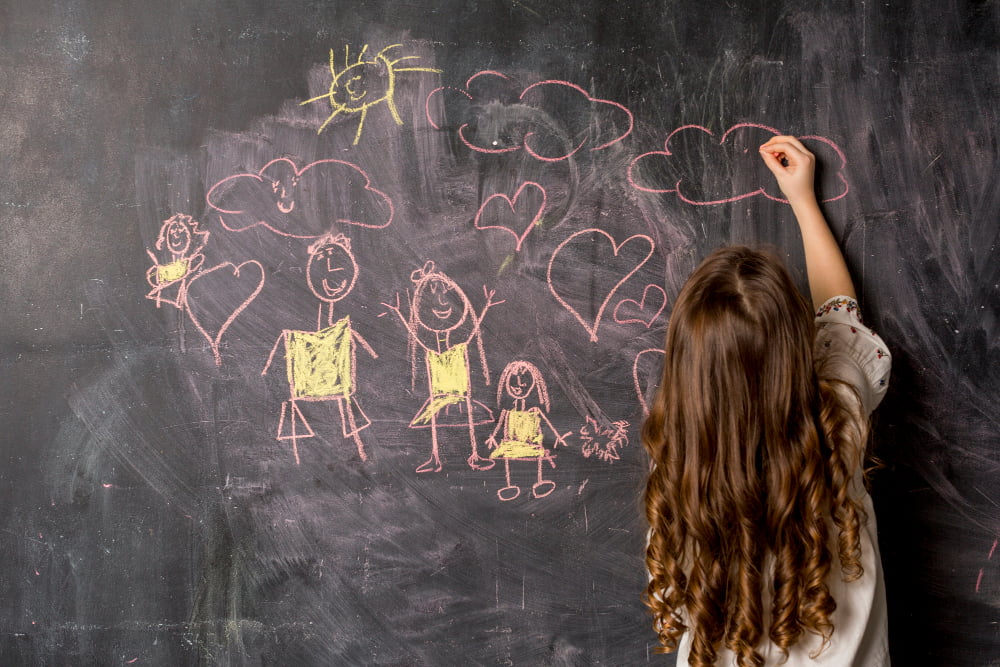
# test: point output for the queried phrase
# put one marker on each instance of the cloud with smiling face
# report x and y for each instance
(701, 168)
(550, 120)
(304, 203)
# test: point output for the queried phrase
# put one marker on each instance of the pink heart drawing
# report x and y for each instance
(495, 210)
(616, 248)
(238, 283)
(649, 374)
(643, 316)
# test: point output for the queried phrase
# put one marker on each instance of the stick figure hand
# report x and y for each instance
(397, 308)
(489, 294)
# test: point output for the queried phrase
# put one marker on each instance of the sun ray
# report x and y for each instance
(327, 121)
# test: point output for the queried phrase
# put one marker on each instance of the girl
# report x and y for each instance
(522, 426)
(762, 544)
(443, 322)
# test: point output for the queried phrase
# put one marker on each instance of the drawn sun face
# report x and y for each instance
(520, 383)
(364, 83)
(331, 272)
(441, 305)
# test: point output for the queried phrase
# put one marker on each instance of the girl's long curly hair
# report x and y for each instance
(753, 459)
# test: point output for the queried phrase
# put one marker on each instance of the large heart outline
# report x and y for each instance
(214, 340)
(512, 202)
(641, 305)
(616, 247)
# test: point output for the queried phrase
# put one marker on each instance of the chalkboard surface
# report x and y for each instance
(327, 328)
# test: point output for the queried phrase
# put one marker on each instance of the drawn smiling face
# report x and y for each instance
(284, 193)
(441, 304)
(361, 85)
(520, 383)
(178, 237)
(331, 272)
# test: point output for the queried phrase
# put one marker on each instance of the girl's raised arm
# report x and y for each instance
(794, 168)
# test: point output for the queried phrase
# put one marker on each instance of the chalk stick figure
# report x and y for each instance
(522, 438)
(442, 322)
(321, 363)
(181, 242)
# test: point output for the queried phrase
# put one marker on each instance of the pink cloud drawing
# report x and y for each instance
(550, 120)
(301, 203)
(682, 167)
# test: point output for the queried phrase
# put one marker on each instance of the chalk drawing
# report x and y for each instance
(180, 244)
(603, 441)
(362, 83)
(443, 323)
(979, 579)
(532, 137)
(645, 311)
(522, 437)
(627, 269)
(682, 189)
(301, 203)
(321, 364)
(645, 367)
(513, 215)
(246, 278)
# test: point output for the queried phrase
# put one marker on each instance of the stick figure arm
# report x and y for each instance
(270, 357)
(492, 440)
(398, 309)
(560, 439)
(368, 348)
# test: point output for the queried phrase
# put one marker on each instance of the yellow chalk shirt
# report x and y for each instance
(319, 362)
(168, 273)
(523, 436)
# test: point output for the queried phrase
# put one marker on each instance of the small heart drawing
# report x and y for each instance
(628, 307)
(232, 281)
(510, 217)
(616, 250)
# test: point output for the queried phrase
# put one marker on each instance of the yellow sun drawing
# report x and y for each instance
(362, 84)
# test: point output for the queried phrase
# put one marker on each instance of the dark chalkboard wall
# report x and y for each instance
(559, 168)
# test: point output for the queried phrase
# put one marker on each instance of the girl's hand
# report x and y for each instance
(793, 166)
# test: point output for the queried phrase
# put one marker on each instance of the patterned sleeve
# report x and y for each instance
(847, 350)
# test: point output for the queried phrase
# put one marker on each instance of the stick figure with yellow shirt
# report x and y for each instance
(522, 427)
(443, 323)
(179, 236)
(321, 363)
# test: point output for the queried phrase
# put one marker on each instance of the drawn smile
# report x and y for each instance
(333, 291)
(442, 314)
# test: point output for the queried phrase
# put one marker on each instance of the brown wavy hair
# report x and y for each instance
(753, 459)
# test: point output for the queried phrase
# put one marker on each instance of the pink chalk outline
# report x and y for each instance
(519, 380)
(979, 579)
(511, 202)
(260, 178)
(641, 306)
(635, 376)
(592, 329)
(213, 340)
(759, 191)
(525, 142)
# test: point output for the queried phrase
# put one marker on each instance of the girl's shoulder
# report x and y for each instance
(847, 350)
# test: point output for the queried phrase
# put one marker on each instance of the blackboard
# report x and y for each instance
(206, 206)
